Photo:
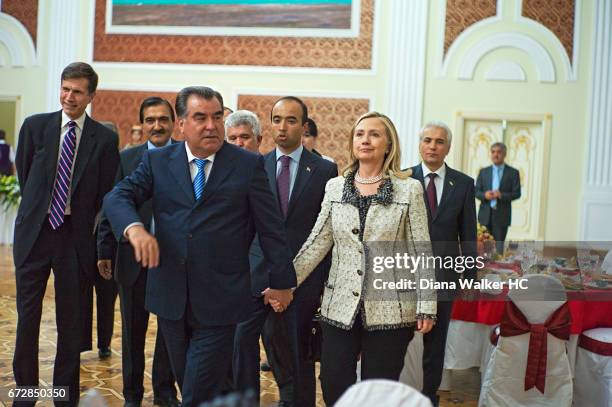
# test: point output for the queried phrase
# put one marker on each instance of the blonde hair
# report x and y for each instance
(392, 163)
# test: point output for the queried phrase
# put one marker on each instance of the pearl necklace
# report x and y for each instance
(368, 180)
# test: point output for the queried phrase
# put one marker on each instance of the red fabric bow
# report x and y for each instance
(558, 324)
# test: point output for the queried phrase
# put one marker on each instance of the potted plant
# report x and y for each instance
(9, 192)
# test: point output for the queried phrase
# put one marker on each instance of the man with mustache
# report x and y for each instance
(157, 119)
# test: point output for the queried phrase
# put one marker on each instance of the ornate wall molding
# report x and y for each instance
(596, 222)
(461, 14)
(406, 75)
(538, 54)
(19, 44)
(557, 48)
(506, 71)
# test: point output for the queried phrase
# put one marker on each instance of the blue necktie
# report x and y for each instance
(495, 184)
(200, 179)
(59, 199)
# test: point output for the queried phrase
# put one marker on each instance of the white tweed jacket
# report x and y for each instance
(349, 288)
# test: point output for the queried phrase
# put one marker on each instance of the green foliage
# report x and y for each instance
(9, 192)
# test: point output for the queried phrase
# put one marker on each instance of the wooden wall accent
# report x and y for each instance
(26, 11)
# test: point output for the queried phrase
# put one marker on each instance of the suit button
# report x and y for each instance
(355, 293)
(359, 272)
(360, 250)
(355, 231)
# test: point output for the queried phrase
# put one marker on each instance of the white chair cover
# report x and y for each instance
(387, 393)
(7, 224)
(412, 373)
(593, 380)
(504, 379)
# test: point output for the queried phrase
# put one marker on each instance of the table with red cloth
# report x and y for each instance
(588, 308)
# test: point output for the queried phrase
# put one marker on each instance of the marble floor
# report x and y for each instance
(105, 376)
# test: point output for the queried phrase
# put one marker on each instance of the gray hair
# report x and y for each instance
(243, 117)
(500, 145)
(437, 125)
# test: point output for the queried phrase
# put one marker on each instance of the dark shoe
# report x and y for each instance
(265, 366)
(104, 353)
(170, 402)
(132, 404)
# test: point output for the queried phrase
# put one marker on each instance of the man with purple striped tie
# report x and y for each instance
(66, 162)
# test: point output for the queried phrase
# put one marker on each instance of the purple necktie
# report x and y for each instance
(61, 189)
(282, 184)
(432, 195)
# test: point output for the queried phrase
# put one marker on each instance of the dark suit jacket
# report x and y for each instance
(453, 230)
(126, 268)
(204, 245)
(313, 173)
(510, 188)
(93, 176)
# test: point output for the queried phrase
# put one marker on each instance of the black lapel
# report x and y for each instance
(306, 168)
(51, 139)
(503, 177)
(222, 167)
(450, 183)
(179, 168)
(270, 166)
(86, 145)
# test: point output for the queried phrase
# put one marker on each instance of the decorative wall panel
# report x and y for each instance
(26, 11)
(334, 118)
(122, 108)
(556, 15)
(341, 53)
(460, 14)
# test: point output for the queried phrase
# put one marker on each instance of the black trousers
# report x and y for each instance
(382, 356)
(53, 250)
(498, 230)
(106, 295)
(434, 345)
(200, 356)
(134, 324)
(286, 339)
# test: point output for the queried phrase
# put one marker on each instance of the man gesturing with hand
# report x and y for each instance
(204, 193)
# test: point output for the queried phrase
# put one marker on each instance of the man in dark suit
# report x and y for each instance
(157, 119)
(204, 193)
(66, 162)
(305, 176)
(496, 187)
(449, 197)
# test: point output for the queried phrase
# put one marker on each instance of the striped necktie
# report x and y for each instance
(61, 189)
(200, 179)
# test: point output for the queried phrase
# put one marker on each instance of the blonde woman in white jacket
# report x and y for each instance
(373, 202)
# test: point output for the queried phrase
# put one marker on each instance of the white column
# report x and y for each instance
(64, 31)
(406, 75)
(596, 219)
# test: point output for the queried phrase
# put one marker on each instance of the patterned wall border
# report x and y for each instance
(460, 14)
(26, 11)
(331, 53)
(556, 15)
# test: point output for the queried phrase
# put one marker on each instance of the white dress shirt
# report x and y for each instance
(438, 181)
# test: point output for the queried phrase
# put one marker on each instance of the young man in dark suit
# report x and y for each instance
(204, 193)
(157, 120)
(297, 178)
(496, 187)
(449, 197)
(66, 162)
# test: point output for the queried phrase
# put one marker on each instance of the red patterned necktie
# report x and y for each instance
(432, 194)
(282, 184)
(61, 189)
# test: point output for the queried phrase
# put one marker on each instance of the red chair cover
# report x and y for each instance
(558, 324)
